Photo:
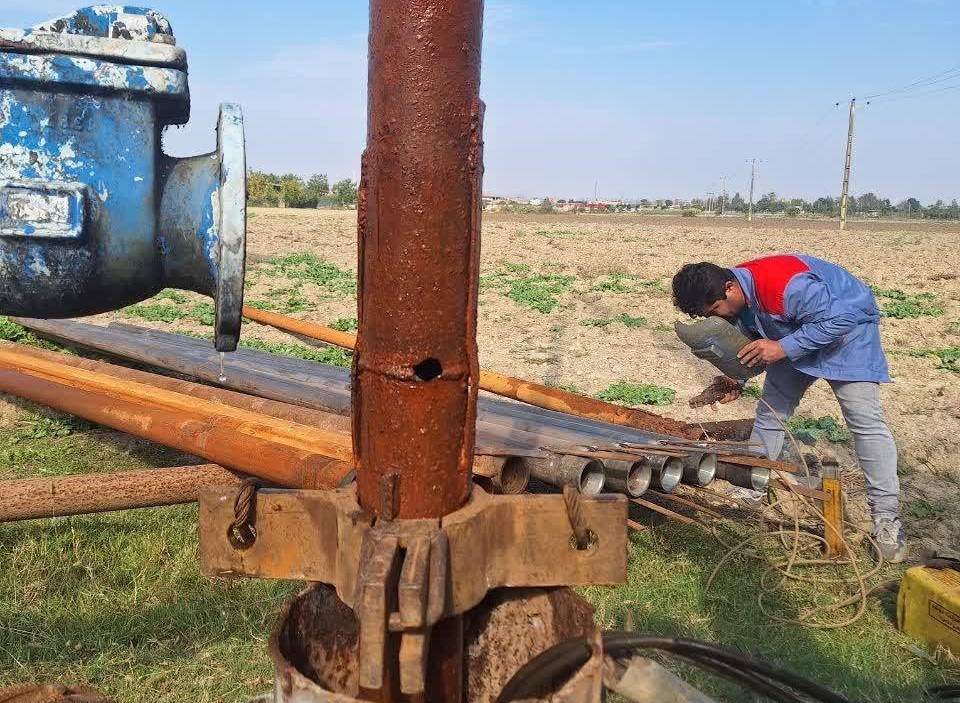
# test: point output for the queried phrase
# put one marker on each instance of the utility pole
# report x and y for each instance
(753, 175)
(723, 193)
(846, 167)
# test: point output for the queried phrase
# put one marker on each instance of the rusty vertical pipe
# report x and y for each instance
(415, 368)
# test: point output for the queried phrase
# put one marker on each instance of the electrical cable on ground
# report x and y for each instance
(563, 660)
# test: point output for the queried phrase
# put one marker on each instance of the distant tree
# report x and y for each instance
(318, 185)
(736, 203)
(344, 192)
(910, 206)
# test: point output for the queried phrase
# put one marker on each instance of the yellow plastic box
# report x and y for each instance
(928, 607)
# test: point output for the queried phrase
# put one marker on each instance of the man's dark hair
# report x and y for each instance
(698, 286)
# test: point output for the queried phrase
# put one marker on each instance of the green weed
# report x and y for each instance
(948, 359)
(344, 324)
(952, 328)
(170, 294)
(155, 312)
(568, 387)
(335, 356)
(335, 281)
(627, 320)
(39, 426)
(902, 305)
(203, 314)
(535, 291)
(626, 283)
(664, 328)
(922, 509)
(267, 305)
(12, 332)
(813, 429)
(637, 394)
(752, 390)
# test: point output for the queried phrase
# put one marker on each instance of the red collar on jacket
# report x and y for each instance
(771, 274)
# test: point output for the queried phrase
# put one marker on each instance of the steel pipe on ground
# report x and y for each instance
(507, 475)
(756, 478)
(700, 469)
(282, 452)
(629, 477)
(585, 474)
(57, 496)
(668, 475)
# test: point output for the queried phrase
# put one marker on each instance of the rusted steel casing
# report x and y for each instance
(415, 368)
(56, 496)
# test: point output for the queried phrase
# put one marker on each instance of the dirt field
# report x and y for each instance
(631, 259)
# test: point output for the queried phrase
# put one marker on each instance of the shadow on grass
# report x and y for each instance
(668, 569)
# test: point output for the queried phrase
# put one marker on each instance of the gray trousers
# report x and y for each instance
(860, 405)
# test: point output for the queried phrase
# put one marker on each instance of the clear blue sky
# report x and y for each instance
(647, 99)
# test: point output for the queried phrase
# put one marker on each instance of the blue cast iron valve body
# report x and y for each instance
(93, 215)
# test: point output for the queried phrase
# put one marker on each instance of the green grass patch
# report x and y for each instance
(172, 295)
(334, 281)
(948, 358)
(344, 324)
(568, 387)
(12, 332)
(816, 428)
(623, 318)
(155, 312)
(637, 394)
(664, 328)
(900, 305)
(334, 356)
(952, 328)
(922, 509)
(753, 390)
(203, 314)
(626, 283)
(534, 291)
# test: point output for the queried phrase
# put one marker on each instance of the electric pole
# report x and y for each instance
(723, 193)
(846, 167)
(753, 175)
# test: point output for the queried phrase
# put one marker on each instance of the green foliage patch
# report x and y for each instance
(155, 312)
(12, 332)
(335, 356)
(948, 358)
(344, 324)
(568, 387)
(625, 283)
(534, 291)
(815, 428)
(331, 279)
(900, 305)
(623, 318)
(637, 394)
(752, 390)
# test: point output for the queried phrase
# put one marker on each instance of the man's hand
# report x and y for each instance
(723, 390)
(761, 351)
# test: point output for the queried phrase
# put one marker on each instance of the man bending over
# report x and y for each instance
(809, 319)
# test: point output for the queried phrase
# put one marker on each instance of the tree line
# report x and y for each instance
(291, 190)
(866, 205)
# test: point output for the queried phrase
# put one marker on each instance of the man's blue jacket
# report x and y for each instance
(826, 319)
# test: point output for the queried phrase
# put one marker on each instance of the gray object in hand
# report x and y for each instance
(717, 341)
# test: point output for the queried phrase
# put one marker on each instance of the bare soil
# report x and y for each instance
(922, 405)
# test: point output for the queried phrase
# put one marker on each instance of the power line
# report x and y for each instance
(921, 83)
(920, 95)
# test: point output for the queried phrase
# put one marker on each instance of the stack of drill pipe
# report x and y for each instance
(276, 450)
(319, 386)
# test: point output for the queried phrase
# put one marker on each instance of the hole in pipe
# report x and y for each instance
(707, 470)
(592, 478)
(639, 479)
(427, 370)
(670, 475)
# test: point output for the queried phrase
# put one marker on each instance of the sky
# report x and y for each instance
(622, 99)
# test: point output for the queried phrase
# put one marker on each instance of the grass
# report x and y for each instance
(899, 305)
(753, 390)
(568, 387)
(12, 332)
(627, 321)
(626, 283)
(948, 358)
(325, 354)
(344, 324)
(330, 279)
(637, 394)
(816, 428)
(117, 600)
(534, 291)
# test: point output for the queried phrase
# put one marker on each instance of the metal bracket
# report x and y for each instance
(401, 577)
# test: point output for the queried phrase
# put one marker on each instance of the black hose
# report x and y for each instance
(567, 657)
